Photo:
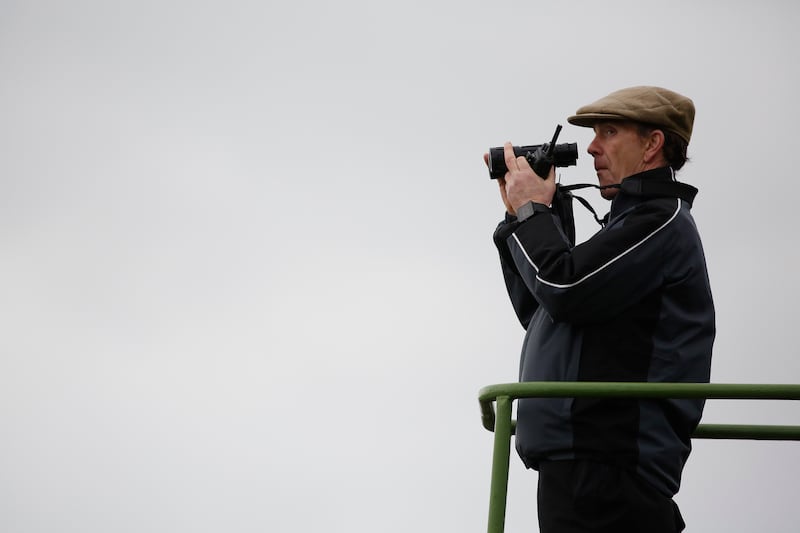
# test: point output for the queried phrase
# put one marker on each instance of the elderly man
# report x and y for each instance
(632, 303)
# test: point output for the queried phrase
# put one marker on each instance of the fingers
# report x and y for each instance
(515, 163)
(486, 159)
(510, 157)
(502, 183)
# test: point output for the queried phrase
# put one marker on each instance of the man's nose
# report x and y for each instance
(593, 148)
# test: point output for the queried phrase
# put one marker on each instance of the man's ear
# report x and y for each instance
(653, 145)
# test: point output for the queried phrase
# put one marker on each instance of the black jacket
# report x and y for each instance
(633, 303)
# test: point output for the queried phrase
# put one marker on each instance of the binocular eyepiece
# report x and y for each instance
(540, 156)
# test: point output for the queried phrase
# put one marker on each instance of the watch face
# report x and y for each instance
(525, 211)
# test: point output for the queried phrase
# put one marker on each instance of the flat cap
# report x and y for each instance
(646, 104)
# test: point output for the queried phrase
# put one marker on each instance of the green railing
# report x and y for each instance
(503, 396)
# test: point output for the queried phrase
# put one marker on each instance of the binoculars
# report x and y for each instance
(540, 156)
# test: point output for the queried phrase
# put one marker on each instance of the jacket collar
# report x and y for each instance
(655, 183)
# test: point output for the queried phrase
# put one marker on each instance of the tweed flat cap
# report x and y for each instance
(646, 104)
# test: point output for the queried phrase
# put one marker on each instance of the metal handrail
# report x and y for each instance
(503, 426)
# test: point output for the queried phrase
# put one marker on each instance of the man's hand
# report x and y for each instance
(522, 185)
(502, 183)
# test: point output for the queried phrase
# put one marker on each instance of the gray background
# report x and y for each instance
(247, 276)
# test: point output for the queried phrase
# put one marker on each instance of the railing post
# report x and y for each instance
(500, 462)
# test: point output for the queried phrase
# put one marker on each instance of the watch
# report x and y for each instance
(527, 210)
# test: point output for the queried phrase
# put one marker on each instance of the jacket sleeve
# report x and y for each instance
(521, 297)
(601, 277)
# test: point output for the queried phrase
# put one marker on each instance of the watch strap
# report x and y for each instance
(527, 210)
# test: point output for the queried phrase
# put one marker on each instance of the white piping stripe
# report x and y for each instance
(587, 276)
(525, 253)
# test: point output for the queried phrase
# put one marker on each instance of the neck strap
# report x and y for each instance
(634, 187)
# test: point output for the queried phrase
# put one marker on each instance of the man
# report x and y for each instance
(632, 303)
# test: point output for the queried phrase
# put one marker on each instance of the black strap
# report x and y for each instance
(588, 206)
(562, 208)
(562, 201)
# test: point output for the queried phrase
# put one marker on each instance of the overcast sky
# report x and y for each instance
(248, 283)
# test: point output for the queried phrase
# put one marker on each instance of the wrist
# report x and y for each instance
(528, 209)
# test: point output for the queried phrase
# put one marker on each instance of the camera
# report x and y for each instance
(540, 156)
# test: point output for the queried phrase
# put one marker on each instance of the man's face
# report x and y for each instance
(618, 152)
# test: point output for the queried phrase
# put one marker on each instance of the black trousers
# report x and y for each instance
(588, 497)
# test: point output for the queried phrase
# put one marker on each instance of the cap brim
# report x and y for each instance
(588, 120)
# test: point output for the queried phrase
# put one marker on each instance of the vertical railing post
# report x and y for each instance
(500, 462)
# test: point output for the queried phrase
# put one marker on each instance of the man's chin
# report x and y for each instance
(609, 194)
